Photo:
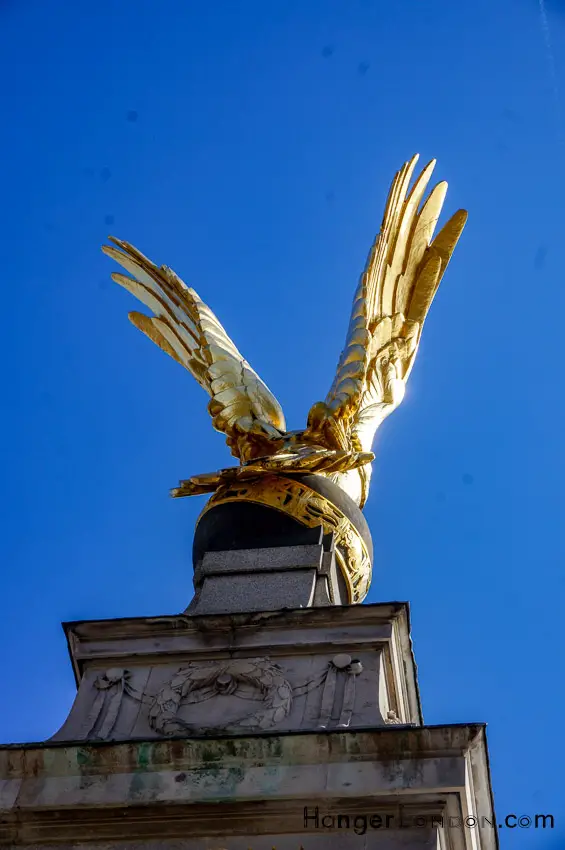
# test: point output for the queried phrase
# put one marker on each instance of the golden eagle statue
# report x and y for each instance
(401, 276)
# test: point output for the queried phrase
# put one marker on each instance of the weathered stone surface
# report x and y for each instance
(266, 579)
(249, 731)
(225, 791)
(261, 560)
(393, 839)
(296, 670)
(272, 591)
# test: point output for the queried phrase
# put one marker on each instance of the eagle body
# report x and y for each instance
(401, 276)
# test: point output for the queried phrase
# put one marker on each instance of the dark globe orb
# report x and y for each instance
(248, 525)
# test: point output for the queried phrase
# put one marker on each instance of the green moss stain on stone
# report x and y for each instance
(83, 757)
(355, 746)
(145, 786)
(137, 785)
(273, 747)
(145, 782)
(212, 769)
(208, 755)
(144, 754)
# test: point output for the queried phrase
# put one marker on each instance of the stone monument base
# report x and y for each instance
(286, 729)
(419, 787)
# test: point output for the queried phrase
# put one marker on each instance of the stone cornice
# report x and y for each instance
(146, 788)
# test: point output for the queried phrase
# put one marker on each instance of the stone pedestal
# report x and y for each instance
(385, 788)
(300, 671)
(268, 579)
(274, 729)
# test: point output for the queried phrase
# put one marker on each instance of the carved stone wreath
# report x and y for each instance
(247, 679)
(197, 682)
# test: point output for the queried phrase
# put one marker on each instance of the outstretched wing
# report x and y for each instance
(402, 274)
(186, 329)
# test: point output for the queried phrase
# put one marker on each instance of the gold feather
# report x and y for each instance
(189, 332)
(401, 277)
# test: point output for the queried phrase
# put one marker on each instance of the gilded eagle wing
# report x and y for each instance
(186, 329)
(401, 276)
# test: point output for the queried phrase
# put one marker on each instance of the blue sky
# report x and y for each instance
(250, 146)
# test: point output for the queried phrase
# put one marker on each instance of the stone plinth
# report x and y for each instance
(304, 670)
(286, 729)
(267, 579)
(387, 788)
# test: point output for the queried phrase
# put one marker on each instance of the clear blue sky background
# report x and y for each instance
(250, 146)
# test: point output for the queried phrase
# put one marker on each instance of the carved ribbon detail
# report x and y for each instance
(114, 679)
(200, 681)
(340, 664)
